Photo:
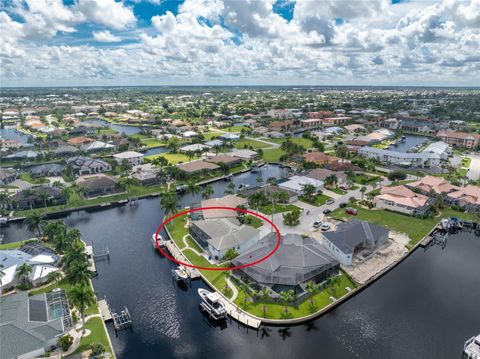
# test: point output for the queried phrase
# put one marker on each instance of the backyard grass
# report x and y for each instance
(466, 161)
(318, 200)
(364, 179)
(279, 208)
(194, 245)
(28, 178)
(304, 142)
(236, 128)
(177, 230)
(415, 228)
(272, 154)
(337, 190)
(173, 158)
(254, 221)
(14, 245)
(152, 142)
(210, 135)
(97, 335)
(250, 143)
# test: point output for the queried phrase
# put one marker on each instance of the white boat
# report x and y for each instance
(211, 303)
(180, 273)
(3, 220)
(161, 241)
(471, 349)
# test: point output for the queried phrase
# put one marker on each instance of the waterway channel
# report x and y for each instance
(424, 308)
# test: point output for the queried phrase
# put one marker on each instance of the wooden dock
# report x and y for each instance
(104, 310)
(240, 316)
(179, 256)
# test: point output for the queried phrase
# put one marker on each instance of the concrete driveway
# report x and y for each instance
(474, 169)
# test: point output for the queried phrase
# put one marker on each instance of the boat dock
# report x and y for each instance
(178, 255)
(104, 310)
(239, 315)
(121, 321)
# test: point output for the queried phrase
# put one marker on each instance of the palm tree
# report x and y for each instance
(44, 196)
(193, 188)
(227, 274)
(207, 192)
(331, 180)
(78, 273)
(230, 188)
(54, 277)
(23, 273)
(363, 190)
(127, 182)
(34, 221)
(82, 297)
(308, 190)
(74, 255)
(264, 295)
(288, 297)
(169, 201)
(29, 195)
(4, 200)
(312, 289)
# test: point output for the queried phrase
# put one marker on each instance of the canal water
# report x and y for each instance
(424, 308)
(128, 130)
(410, 141)
(13, 134)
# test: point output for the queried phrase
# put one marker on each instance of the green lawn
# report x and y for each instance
(254, 221)
(194, 245)
(211, 135)
(28, 178)
(364, 179)
(97, 335)
(304, 142)
(272, 154)
(152, 142)
(279, 208)
(250, 143)
(236, 128)
(318, 200)
(14, 245)
(106, 131)
(173, 158)
(177, 230)
(415, 228)
(466, 161)
(337, 190)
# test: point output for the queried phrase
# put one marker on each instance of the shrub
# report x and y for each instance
(65, 342)
(97, 349)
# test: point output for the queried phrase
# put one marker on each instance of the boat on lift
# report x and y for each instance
(471, 349)
(161, 241)
(212, 304)
(180, 274)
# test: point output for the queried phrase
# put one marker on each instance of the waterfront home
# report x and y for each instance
(65, 150)
(77, 141)
(23, 155)
(297, 183)
(422, 159)
(197, 166)
(219, 235)
(189, 134)
(214, 143)
(355, 128)
(244, 154)
(98, 185)
(42, 261)
(376, 136)
(146, 174)
(230, 161)
(297, 261)
(319, 158)
(322, 173)
(133, 158)
(459, 139)
(35, 197)
(402, 199)
(96, 146)
(231, 201)
(7, 175)
(32, 325)
(429, 184)
(229, 137)
(291, 196)
(82, 165)
(281, 126)
(467, 197)
(354, 238)
(47, 169)
(196, 147)
(440, 148)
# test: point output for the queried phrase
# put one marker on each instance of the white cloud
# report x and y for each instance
(105, 36)
(107, 12)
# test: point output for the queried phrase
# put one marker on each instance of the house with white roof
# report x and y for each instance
(133, 158)
(297, 183)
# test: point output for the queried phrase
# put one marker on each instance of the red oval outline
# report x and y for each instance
(218, 268)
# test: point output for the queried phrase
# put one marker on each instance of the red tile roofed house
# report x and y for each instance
(79, 140)
(319, 158)
(281, 125)
(319, 114)
(431, 183)
(402, 199)
(226, 159)
(467, 197)
(197, 166)
(459, 139)
(336, 120)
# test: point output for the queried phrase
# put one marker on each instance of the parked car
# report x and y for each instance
(326, 211)
(330, 201)
(325, 226)
(351, 211)
(317, 224)
(342, 205)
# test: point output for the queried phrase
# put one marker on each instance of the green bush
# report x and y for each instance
(97, 349)
(65, 342)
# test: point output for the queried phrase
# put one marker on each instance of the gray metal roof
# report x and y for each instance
(298, 259)
(351, 234)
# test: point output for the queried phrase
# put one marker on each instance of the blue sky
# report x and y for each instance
(81, 42)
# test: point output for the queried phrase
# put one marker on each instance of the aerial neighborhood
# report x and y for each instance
(325, 191)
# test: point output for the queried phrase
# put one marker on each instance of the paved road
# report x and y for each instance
(474, 169)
